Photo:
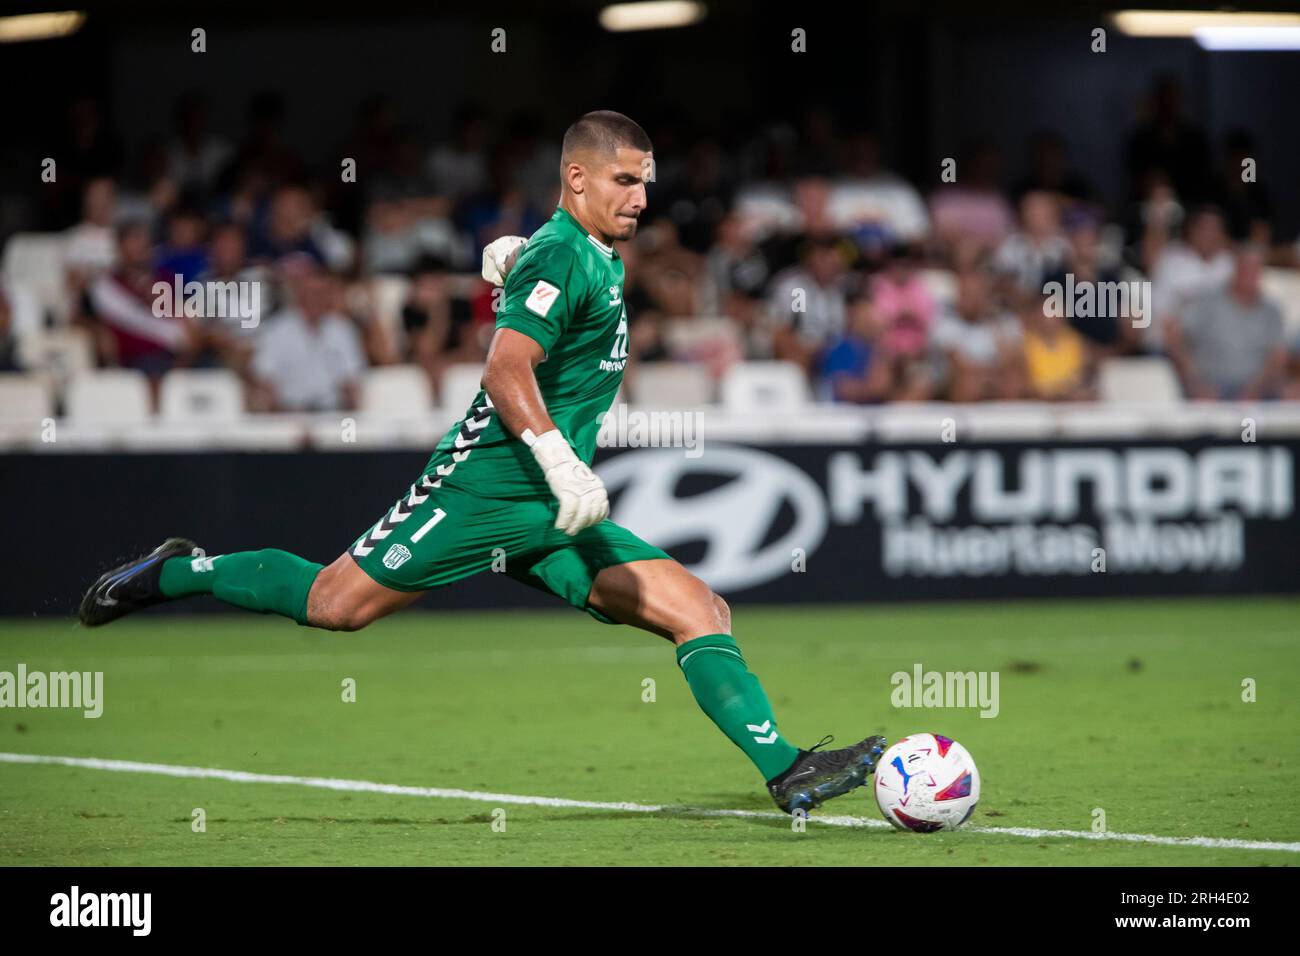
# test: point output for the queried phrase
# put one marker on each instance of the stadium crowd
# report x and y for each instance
(798, 238)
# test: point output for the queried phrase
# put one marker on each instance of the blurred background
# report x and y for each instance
(850, 233)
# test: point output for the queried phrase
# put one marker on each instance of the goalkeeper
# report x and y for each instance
(512, 478)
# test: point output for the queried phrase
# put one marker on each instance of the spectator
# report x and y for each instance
(1050, 171)
(457, 166)
(1247, 211)
(131, 334)
(1168, 142)
(977, 343)
(227, 342)
(439, 328)
(972, 210)
(876, 206)
(1230, 344)
(1056, 359)
(309, 357)
(1088, 263)
(195, 157)
(1036, 250)
(185, 253)
(807, 303)
(735, 264)
(854, 368)
(91, 245)
(698, 203)
(288, 228)
(903, 304)
(1183, 271)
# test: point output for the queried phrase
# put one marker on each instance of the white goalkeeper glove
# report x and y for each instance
(581, 494)
(499, 258)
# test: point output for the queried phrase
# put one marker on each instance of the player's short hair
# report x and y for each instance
(602, 132)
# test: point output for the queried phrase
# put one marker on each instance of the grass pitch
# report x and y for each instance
(1131, 707)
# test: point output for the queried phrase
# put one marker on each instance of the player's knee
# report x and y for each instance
(722, 615)
(708, 614)
(331, 610)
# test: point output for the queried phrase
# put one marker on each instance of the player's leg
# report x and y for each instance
(268, 581)
(661, 596)
(664, 598)
(344, 596)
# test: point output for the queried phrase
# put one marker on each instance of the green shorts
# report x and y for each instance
(435, 535)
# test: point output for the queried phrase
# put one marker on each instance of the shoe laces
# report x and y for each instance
(828, 739)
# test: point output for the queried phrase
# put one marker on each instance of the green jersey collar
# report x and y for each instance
(563, 215)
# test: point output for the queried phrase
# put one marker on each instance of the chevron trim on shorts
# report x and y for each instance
(471, 430)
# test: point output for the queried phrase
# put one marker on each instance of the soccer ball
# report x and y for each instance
(926, 782)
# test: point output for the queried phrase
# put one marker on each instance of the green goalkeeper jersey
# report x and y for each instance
(566, 293)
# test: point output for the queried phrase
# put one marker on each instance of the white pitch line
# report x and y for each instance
(366, 786)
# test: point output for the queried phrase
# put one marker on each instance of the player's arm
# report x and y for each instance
(512, 384)
(534, 314)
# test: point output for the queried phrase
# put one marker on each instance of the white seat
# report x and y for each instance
(60, 354)
(109, 397)
(24, 399)
(460, 383)
(764, 386)
(389, 294)
(671, 385)
(33, 265)
(696, 339)
(201, 396)
(1143, 381)
(396, 391)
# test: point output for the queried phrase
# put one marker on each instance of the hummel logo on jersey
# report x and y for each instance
(542, 298)
(615, 295)
(760, 729)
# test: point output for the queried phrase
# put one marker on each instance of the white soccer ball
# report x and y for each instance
(927, 782)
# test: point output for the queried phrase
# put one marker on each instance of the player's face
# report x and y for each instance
(618, 191)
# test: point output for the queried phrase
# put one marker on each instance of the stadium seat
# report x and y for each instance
(32, 268)
(201, 396)
(460, 383)
(396, 391)
(671, 385)
(59, 354)
(388, 294)
(1138, 381)
(23, 399)
(764, 386)
(710, 342)
(109, 397)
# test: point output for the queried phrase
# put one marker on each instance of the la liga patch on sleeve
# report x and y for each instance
(543, 296)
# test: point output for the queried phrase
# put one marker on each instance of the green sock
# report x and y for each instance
(267, 581)
(734, 700)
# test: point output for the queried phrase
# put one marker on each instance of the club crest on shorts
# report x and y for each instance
(397, 556)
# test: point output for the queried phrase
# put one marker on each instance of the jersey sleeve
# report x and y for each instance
(542, 293)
